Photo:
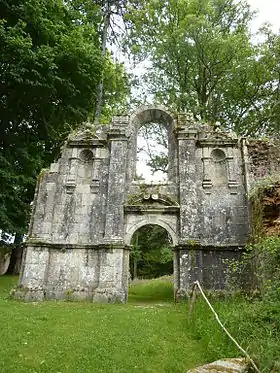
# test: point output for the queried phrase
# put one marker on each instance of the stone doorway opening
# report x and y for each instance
(151, 263)
(152, 149)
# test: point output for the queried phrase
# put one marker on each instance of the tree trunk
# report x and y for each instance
(16, 256)
(100, 85)
(134, 268)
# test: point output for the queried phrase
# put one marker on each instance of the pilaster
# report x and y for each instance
(117, 179)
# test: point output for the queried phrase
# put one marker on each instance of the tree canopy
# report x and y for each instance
(202, 59)
(50, 67)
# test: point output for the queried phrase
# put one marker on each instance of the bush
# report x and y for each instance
(265, 260)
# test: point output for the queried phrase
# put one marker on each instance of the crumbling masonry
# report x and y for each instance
(88, 206)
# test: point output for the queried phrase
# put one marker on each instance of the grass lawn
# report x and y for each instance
(150, 334)
(81, 337)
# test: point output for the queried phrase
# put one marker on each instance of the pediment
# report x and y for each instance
(85, 136)
(217, 137)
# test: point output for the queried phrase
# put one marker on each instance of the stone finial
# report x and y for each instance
(190, 117)
(120, 120)
(119, 126)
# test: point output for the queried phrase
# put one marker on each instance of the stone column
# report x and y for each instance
(248, 177)
(95, 181)
(190, 264)
(176, 270)
(187, 184)
(207, 161)
(189, 179)
(113, 275)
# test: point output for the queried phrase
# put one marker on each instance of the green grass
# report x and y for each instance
(82, 337)
(149, 334)
(160, 290)
(254, 324)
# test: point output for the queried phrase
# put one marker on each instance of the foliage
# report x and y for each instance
(264, 256)
(152, 144)
(151, 249)
(202, 59)
(116, 89)
(263, 253)
(253, 323)
(50, 68)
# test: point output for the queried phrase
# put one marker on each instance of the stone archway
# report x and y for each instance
(132, 227)
(152, 254)
(169, 223)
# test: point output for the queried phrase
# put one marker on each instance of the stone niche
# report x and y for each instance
(88, 205)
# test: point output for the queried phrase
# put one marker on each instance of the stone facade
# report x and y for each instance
(88, 205)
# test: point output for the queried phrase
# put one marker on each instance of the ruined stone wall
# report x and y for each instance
(213, 206)
(72, 249)
(213, 202)
(264, 158)
(74, 273)
(88, 206)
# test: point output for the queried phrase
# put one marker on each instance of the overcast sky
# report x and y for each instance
(268, 10)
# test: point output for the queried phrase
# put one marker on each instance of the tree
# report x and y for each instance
(50, 68)
(203, 60)
(49, 73)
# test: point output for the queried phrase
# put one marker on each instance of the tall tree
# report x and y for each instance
(110, 10)
(50, 68)
(49, 73)
(202, 59)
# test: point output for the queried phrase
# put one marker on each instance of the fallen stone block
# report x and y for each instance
(235, 365)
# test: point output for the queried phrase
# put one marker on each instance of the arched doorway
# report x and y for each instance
(151, 264)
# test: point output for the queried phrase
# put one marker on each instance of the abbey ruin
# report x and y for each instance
(88, 205)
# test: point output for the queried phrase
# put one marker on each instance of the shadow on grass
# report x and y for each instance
(7, 283)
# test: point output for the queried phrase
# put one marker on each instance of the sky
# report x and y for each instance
(268, 10)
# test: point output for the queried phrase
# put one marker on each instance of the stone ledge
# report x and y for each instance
(96, 295)
(139, 209)
(197, 246)
(54, 245)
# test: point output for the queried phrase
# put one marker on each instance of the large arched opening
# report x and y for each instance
(152, 150)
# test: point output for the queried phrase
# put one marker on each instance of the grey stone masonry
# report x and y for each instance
(89, 204)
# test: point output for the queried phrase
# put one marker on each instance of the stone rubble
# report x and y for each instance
(235, 365)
